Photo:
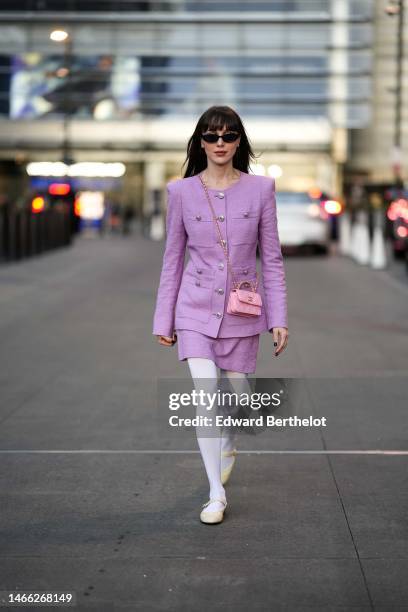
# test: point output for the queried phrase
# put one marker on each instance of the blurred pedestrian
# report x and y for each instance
(128, 214)
(5, 226)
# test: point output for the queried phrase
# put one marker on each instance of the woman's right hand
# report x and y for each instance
(167, 340)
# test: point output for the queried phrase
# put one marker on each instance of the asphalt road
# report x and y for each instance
(97, 500)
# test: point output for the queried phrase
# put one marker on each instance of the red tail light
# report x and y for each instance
(402, 231)
(59, 189)
(398, 208)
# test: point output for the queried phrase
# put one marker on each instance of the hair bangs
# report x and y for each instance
(219, 119)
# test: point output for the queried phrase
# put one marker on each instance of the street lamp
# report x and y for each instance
(62, 36)
(396, 7)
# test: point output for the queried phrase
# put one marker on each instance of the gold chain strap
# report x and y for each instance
(236, 285)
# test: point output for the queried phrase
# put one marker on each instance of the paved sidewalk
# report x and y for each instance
(88, 507)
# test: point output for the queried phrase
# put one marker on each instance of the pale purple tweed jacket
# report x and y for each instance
(195, 296)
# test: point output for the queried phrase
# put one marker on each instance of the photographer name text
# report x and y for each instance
(259, 421)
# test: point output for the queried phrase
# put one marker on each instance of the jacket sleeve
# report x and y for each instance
(273, 271)
(173, 264)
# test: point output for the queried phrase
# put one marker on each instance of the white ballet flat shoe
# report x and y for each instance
(225, 474)
(213, 517)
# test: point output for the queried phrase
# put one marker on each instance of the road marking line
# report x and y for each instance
(189, 452)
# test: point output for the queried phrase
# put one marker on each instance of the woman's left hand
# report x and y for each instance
(280, 339)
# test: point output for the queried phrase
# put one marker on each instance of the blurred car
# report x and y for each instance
(397, 214)
(303, 221)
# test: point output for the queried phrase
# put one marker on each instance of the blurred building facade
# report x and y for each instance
(310, 79)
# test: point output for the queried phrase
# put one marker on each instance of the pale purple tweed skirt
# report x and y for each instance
(236, 354)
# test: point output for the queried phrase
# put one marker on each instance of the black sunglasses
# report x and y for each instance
(213, 138)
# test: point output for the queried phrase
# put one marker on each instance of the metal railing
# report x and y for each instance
(26, 234)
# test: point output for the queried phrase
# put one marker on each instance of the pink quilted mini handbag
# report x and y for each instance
(241, 301)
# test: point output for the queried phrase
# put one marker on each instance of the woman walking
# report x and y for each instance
(217, 307)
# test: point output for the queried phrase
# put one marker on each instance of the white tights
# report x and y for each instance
(211, 448)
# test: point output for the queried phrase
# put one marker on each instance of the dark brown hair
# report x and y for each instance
(214, 118)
